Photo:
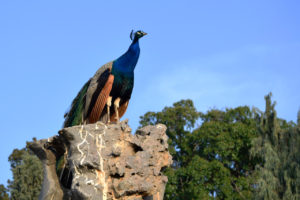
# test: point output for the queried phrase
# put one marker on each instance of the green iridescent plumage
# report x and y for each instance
(75, 115)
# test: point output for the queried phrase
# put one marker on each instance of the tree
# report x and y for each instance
(278, 173)
(27, 175)
(223, 141)
(3, 193)
(212, 160)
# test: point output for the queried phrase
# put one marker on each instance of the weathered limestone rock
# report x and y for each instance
(108, 162)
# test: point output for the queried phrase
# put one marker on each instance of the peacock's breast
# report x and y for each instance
(123, 85)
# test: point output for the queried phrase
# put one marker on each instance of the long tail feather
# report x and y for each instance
(74, 116)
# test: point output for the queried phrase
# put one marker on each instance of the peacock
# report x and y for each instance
(112, 83)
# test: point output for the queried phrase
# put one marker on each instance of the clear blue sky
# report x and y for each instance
(218, 53)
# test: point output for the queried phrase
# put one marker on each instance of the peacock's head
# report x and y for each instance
(137, 35)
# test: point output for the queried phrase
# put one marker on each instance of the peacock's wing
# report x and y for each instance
(75, 115)
(98, 92)
(99, 100)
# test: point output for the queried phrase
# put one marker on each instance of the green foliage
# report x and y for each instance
(224, 140)
(27, 175)
(179, 119)
(278, 173)
(3, 193)
(16, 157)
(211, 160)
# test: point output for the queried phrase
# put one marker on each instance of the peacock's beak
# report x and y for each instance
(144, 33)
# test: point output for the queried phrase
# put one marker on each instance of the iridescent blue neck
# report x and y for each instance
(127, 62)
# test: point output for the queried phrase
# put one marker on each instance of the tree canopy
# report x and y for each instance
(27, 175)
(278, 173)
(237, 153)
(211, 159)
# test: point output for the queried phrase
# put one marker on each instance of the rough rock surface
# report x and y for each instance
(108, 162)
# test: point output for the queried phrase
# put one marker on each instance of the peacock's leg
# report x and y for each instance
(108, 104)
(117, 105)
